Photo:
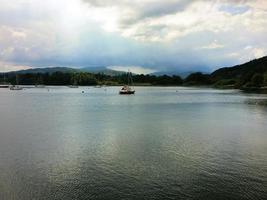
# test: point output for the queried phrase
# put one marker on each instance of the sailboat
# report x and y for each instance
(16, 87)
(127, 89)
(75, 84)
(39, 83)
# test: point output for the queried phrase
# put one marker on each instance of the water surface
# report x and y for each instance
(162, 143)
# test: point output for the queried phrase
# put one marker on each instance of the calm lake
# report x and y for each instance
(161, 143)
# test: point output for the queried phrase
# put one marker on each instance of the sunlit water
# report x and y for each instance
(162, 143)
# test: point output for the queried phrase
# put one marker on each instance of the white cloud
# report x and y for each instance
(154, 20)
(253, 52)
(213, 45)
(7, 67)
(248, 47)
(233, 55)
(259, 52)
(247, 53)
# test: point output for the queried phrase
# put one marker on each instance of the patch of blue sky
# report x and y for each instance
(234, 10)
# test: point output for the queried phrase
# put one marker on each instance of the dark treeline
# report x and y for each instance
(56, 78)
(86, 79)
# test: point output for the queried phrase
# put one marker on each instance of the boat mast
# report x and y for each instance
(75, 81)
(130, 79)
(17, 79)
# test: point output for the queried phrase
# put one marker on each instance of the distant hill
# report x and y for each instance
(93, 70)
(102, 70)
(45, 70)
(171, 73)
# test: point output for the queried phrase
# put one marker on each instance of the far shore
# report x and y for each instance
(256, 90)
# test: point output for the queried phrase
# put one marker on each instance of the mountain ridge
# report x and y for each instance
(95, 70)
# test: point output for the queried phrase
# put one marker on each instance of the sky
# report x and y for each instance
(141, 35)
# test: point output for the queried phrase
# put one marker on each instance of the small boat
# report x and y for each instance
(75, 83)
(39, 82)
(73, 86)
(16, 87)
(40, 86)
(127, 89)
(98, 86)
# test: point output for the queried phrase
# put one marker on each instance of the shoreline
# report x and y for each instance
(256, 90)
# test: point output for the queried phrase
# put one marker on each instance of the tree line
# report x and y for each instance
(248, 80)
(86, 79)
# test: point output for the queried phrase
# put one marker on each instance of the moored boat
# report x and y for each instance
(127, 89)
(15, 87)
(75, 83)
(39, 82)
(40, 86)
(73, 86)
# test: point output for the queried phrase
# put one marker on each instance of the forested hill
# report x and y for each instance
(254, 66)
(247, 74)
(49, 70)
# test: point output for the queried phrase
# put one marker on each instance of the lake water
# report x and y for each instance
(162, 143)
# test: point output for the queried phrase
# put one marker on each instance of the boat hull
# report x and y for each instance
(127, 92)
(40, 86)
(73, 86)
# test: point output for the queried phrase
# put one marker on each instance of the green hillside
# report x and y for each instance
(250, 74)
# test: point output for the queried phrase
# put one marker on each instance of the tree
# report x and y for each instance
(257, 79)
(265, 79)
(198, 79)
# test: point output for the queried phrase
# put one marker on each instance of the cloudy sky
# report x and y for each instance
(143, 35)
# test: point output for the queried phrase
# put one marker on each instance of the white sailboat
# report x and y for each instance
(127, 89)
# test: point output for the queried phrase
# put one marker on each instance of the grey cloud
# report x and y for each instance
(142, 10)
(159, 8)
